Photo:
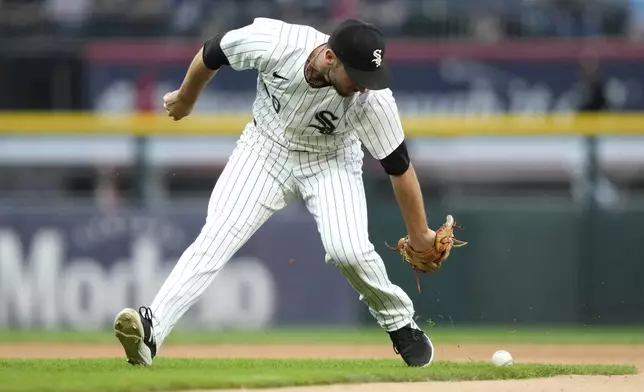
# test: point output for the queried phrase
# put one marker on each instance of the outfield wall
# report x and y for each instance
(524, 264)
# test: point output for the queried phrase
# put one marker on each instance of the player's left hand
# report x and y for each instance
(424, 241)
(426, 252)
(176, 106)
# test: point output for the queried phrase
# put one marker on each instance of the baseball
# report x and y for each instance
(502, 358)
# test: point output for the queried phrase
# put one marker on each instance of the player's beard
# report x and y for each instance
(336, 86)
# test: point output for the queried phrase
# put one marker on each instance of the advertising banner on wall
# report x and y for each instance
(427, 78)
(76, 269)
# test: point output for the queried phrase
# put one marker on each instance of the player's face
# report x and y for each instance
(341, 82)
(338, 77)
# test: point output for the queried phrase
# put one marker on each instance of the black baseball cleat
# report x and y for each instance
(413, 346)
(135, 332)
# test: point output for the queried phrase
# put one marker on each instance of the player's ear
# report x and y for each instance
(329, 57)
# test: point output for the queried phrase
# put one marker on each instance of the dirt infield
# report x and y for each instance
(467, 352)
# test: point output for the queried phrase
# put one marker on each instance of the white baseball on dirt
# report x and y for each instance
(502, 358)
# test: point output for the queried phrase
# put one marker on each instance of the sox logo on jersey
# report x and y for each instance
(302, 140)
(325, 120)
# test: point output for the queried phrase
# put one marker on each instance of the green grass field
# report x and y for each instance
(439, 334)
(183, 374)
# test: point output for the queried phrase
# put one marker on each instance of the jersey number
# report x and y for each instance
(276, 103)
(325, 123)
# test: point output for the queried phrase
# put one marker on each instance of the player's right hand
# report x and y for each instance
(176, 106)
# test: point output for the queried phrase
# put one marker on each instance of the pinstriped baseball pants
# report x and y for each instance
(256, 183)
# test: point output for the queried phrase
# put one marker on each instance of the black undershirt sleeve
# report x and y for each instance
(397, 163)
(213, 56)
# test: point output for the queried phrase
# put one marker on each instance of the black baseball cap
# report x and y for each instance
(361, 48)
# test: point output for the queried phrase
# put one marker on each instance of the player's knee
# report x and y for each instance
(343, 261)
(350, 257)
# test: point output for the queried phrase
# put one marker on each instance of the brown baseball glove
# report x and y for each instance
(431, 259)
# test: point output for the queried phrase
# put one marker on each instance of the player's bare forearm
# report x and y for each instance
(179, 103)
(196, 79)
(410, 200)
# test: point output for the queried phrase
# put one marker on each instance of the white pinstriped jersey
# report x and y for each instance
(302, 117)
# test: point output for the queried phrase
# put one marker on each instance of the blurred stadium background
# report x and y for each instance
(524, 119)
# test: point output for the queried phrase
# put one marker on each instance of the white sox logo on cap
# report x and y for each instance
(377, 57)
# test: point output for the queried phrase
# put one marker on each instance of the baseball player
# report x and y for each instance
(318, 98)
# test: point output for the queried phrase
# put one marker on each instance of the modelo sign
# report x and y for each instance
(77, 270)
